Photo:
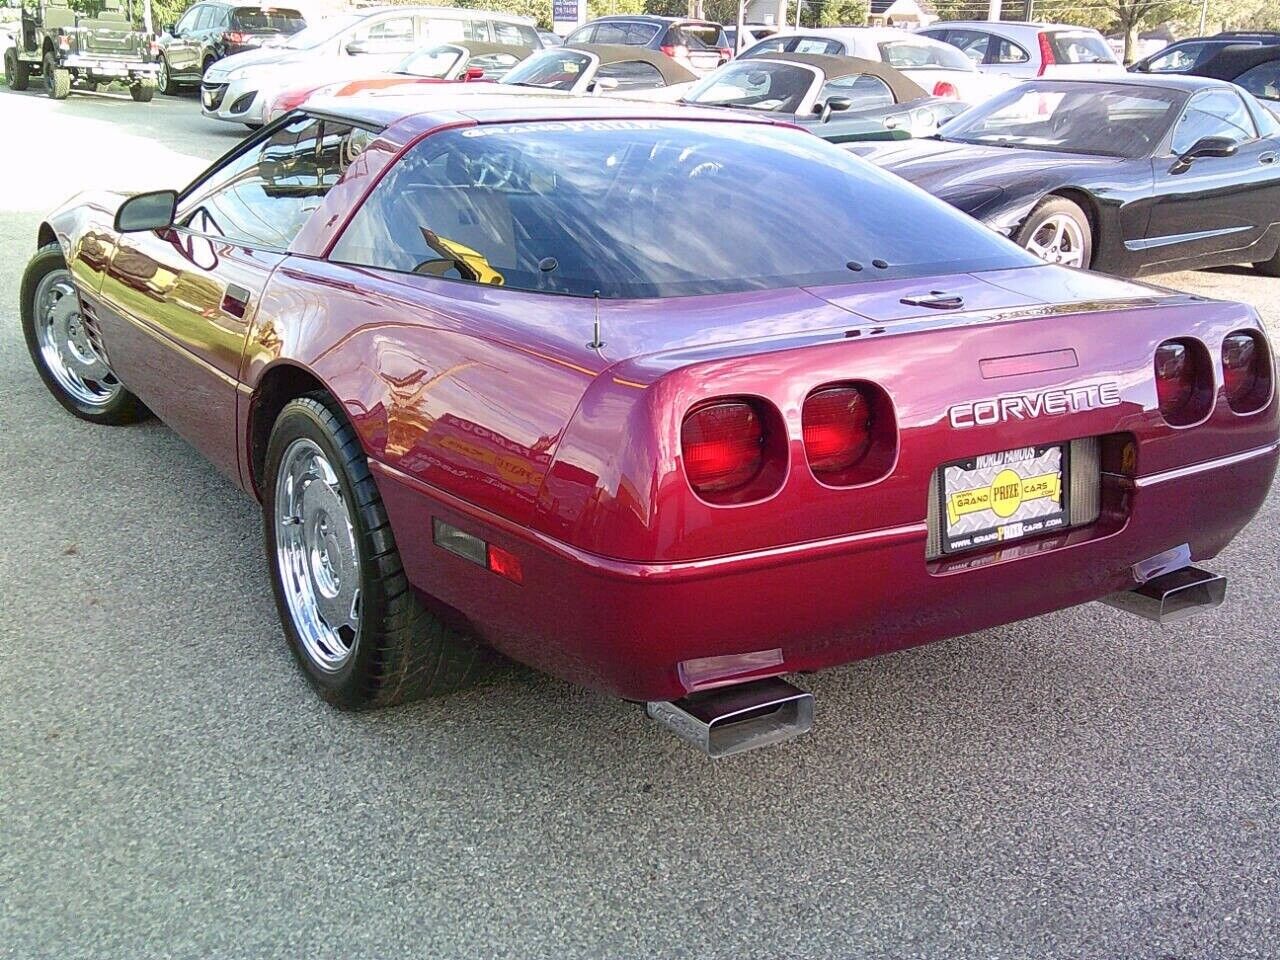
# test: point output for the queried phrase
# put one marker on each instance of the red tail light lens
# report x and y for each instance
(726, 52)
(234, 36)
(837, 430)
(673, 52)
(723, 446)
(1046, 53)
(947, 90)
(1175, 377)
(1246, 372)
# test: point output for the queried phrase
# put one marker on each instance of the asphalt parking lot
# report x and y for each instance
(1079, 785)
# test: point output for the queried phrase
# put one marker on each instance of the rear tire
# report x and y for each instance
(17, 73)
(1058, 231)
(143, 91)
(355, 626)
(57, 81)
(64, 348)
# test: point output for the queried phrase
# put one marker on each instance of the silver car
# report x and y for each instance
(1028, 50)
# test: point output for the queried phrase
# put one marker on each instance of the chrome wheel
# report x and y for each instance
(1058, 240)
(69, 346)
(316, 555)
(162, 79)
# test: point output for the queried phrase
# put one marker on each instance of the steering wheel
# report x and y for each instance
(496, 171)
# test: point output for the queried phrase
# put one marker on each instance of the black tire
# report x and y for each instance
(143, 90)
(57, 81)
(1049, 208)
(1269, 268)
(124, 407)
(168, 86)
(17, 73)
(204, 67)
(401, 651)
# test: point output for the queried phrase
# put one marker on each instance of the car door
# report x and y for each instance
(183, 49)
(1206, 209)
(178, 303)
(211, 29)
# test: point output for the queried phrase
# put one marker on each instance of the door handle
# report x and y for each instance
(235, 301)
(1267, 158)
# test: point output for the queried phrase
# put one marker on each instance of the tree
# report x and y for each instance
(1132, 15)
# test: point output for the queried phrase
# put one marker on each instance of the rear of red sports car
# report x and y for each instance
(760, 478)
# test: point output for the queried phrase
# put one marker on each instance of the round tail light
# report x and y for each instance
(837, 430)
(1245, 372)
(947, 90)
(1175, 378)
(723, 446)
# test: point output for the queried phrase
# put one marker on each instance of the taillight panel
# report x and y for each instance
(1246, 371)
(1184, 381)
(850, 434)
(734, 450)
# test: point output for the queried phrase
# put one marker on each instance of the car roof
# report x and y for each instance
(1233, 60)
(834, 67)
(422, 112)
(1009, 25)
(648, 18)
(445, 13)
(482, 48)
(671, 71)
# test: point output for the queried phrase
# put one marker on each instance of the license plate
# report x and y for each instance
(1001, 497)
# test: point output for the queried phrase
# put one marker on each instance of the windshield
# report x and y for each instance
(913, 55)
(754, 85)
(579, 207)
(557, 69)
(432, 62)
(1107, 120)
(322, 32)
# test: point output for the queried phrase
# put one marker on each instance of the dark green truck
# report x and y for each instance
(63, 47)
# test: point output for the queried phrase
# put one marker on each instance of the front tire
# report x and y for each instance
(165, 79)
(17, 73)
(1058, 231)
(65, 347)
(142, 91)
(57, 81)
(359, 632)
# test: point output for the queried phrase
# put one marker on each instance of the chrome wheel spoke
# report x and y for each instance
(68, 346)
(316, 555)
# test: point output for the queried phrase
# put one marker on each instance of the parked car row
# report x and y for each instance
(671, 400)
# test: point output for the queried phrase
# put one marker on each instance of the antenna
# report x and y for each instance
(596, 343)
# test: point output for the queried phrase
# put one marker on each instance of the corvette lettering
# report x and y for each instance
(1028, 406)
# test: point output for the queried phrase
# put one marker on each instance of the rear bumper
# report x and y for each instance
(627, 628)
(112, 68)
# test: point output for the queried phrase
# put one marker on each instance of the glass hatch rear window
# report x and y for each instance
(642, 209)
(267, 20)
(1073, 47)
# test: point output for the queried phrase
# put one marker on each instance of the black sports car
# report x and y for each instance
(1131, 176)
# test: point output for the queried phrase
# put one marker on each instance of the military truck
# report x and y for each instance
(63, 47)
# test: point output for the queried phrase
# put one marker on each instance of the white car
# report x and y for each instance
(937, 67)
(240, 88)
(1027, 50)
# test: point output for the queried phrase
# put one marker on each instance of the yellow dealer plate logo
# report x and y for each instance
(1005, 495)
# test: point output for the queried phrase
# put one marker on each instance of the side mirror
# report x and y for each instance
(1207, 147)
(833, 105)
(147, 211)
(473, 73)
(356, 47)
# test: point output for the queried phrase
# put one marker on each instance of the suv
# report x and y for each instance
(208, 32)
(240, 88)
(65, 47)
(1025, 50)
(1185, 56)
(698, 45)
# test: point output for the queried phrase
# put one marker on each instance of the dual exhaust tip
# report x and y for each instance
(747, 716)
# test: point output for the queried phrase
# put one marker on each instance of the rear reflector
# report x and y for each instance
(1246, 372)
(946, 90)
(470, 547)
(723, 446)
(837, 429)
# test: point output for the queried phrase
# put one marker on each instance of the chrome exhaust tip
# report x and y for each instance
(1173, 596)
(734, 719)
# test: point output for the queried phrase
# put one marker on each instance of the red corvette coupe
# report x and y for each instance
(557, 377)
